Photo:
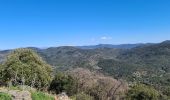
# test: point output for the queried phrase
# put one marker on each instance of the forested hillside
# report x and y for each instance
(147, 64)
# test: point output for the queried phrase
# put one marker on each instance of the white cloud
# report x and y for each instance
(105, 38)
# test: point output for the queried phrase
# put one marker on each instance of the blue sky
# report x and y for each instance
(45, 23)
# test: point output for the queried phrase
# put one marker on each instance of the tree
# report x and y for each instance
(24, 66)
(142, 92)
(63, 83)
(1, 75)
(97, 85)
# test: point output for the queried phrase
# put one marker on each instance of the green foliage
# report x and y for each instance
(63, 83)
(167, 91)
(1, 75)
(118, 69)
(5, 96)
(41, 96)
(142, 92)
(15, 88)
(82, 96)
(67, 57)
(25, 66)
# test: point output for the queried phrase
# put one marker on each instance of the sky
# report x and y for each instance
(46, 23)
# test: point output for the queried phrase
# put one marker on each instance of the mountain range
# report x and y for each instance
(121, 46)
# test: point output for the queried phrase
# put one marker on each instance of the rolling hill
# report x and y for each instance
(146, 63)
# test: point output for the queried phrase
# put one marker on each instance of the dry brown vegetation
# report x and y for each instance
(98, 85)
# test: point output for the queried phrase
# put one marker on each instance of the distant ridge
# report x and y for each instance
(121, 46)
(166, 42)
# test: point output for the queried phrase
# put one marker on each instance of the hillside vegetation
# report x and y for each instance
(100, 73)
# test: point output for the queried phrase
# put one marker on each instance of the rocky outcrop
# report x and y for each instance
(62, 96)
(17, 94)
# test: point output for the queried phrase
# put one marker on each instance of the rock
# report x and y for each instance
(20, 95)
(17, 94)
(62, 96)
(3, 90)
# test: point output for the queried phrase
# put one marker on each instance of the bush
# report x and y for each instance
(167, 91)
(82, 96)
(41, 96)
(24, 66)
(63, 83)
(5, 96)
(142, 92)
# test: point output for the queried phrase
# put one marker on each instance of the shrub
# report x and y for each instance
(41, 96)
(142, 92)
(63, 83)
(24, 66)
(82, 96)
(5, 96)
